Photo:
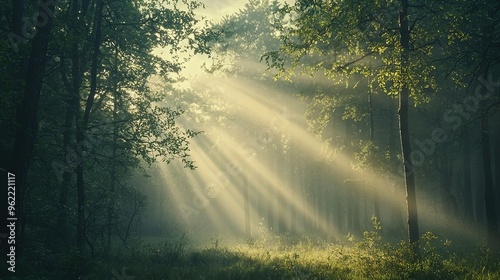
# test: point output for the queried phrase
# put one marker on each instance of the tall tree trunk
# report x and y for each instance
(269, 209)
(468, 210)
(282, 201)
(276, 201)
(298, 171)
(62, 213)
(113, 175)
(497, 165)
(350, 201)
(448, 200)
(338, 207)
(367, 214)
(489, 194)
(488, 53)
(269, 200)
(246, 206)
(356, 203)
(27, 124)
(323, 221)
(259, 201)
(411, 199)
(480, 209)
(74, 90)
(294, 180)
(376, 198)
(82, 126)
(80, 225)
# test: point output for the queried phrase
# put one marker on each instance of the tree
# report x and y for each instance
(479, 51)
(390, 42)
(27, 124)
(411, 199)
(488, 60)
(98, 106)
(147, 123)
(73, 89)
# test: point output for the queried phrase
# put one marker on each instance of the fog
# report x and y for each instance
(250, 139)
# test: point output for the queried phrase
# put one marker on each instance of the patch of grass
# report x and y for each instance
(368, 258)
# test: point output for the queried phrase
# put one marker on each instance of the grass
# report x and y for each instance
(366, 259)
(289, 257)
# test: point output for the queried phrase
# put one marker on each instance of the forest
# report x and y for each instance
(250, 139)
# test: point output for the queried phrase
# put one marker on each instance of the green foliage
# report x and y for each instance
(245, 36)
(358, 42)
(127, 123)
(167, 252)
(368, 258)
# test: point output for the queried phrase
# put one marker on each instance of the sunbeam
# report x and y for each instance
(250, 139)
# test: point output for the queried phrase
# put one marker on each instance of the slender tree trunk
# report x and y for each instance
(356, 203)
(350, 201)
(299, 186)
(480, 209)
(325, 221)
(270, 200)
(82, 126)
(276, 201)
(331, 212)
(27, 119)
(411, 200)
(259, 205)
(376, 207)
(63, 213)
(497, 165)
(468, 208)
(413, 232)
(293, 173)
(395, 207)
(366, 221)
(338, 207)
(280, 199)
(269, 208)
(16, 25)
(80, 227)
(448, 201)
(95, 60)
(488, 52)
(74, 90)
(489, 194)
(246, 206)
(370, 112)
(113, 175)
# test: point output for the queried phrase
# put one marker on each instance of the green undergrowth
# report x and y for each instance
(367, 258)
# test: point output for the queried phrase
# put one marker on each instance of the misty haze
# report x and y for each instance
(250, 139)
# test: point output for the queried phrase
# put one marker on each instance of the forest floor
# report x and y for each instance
(367, 258)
